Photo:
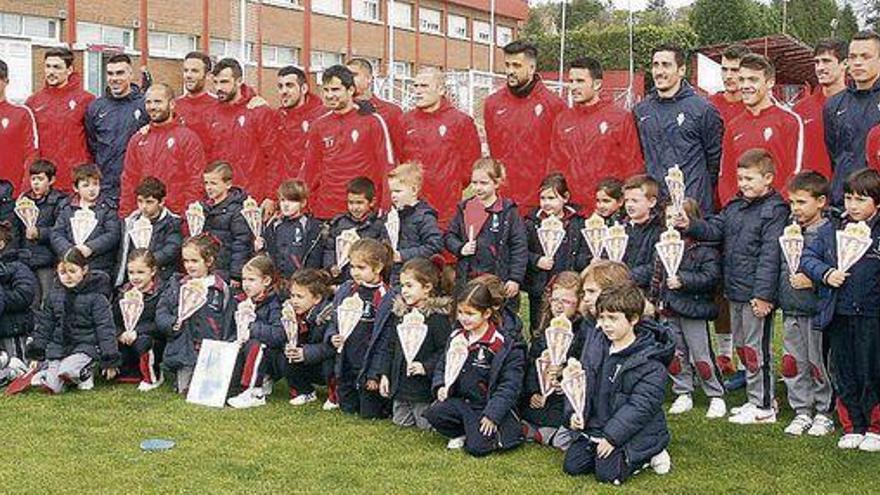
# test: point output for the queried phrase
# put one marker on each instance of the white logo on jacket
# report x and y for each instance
(539, 109)
(305, 126)
(355, 135)
(603, 127)
(4, 122)
(680, 118)
(768, 133)
(241, 120)
(328, 141)
(71, 104)
(170, 143)
(442, 130)
(137, 114)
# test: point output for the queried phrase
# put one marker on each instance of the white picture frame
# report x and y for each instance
(213, 373)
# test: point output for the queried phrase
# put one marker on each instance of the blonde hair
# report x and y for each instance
(409, 173)
(606, 273)
(493, 168)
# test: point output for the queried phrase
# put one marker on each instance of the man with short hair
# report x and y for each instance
(391, 113)
(196, 106)
(18, 140)
(299, 110)
(593, 139)
(60, 109)
(729, 101)
(519, 124)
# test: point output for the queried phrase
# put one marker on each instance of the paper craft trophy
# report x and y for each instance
(348, 314)
(141, 232)
(670, 250)
(594, 233)
(456, 355)
(193, 295)
(131, 306)
(545, 378)
(574, 386)
(82, 224)
(792, 244)
(27, 211)
(675, 186)
(412, 332)
(392, 226)
(245, 314)
(195, 218)
(550, 235)
(290, 325)
(253, 215)
(558, 336)
(343, 246)
(852, 243)
(615, 242)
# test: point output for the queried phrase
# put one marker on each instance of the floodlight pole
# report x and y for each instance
(562, 48)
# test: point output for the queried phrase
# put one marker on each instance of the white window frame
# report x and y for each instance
(286, 4)
(232, 49)
(274, 50)
(366, 10)
(500, 32)
(335, 58)
(21, 31)
(167, 51)
(403, 68)
(453, 24)
(329, 7)
(482, 32)
(434, 25)
(402, 15)
(104, 30)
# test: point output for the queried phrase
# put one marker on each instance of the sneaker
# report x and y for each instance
(147, 386)
(87, 384)
(850, 441)
(799, 425)
(303, 399)
(736, 382)
(246, 399)
(871, 443)
(455, 443)
(682, 404)
(738, 409)
(329, 405)
(822, 425)
(268, 386)
(661, 463)
(717, 408)
(754, 416)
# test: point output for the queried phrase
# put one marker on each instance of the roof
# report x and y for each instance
(516, 9)
(793, 58)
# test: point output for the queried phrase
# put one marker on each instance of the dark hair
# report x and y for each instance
(735, 51)
(318, 282)
(85, 172)
(867, 34)
(362, 186)
(425, 271)
(589, 63)
(864, 182)
(289, 70)
(563, 280)
(264, 264)
(5, 233)
(4, 71)
(222, 168)
(624, 298)
(556, 181)
(75, 257)
(61, 52)
(376, 254)
(341, 72)
(811, 182)
(483, 293)
(675, 49)
(520, 46)
(835, 46)
(143, 255)
(42, 166)
(611, 186)
(757, 158)
(644, 182)
(151, 187)
(207, 245)
(754, 61)
(206, 60)
(119, 58)
(362, 63)
(228, 63)
(293, 190)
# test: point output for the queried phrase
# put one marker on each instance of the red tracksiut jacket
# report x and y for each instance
(340, 148)
(591, 143)
(19, 143)
(872, 148)
(196, 113)
(775, 129)
(60, 115)
(727, 109)
(173, 154)
(293, 125)
(815, 153)
(447, 144)
(393, 117)
(518, 130)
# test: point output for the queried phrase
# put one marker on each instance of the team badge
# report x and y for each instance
(539, 109)
(355, 135)
(680, 119)
(442, 130)
(170, 143)
(71, 104)
(768, 133)
(137, 114)
(241, 120)
(4, 122)
(305, 126)
(603, 127)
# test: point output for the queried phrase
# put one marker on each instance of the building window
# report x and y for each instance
(290, 4)
(99, 34)
(171, 45)
(504, 35)
(332, 7)
(279, 56)
(456, 27)
(322, 60)
(41, 28)
(403, 69)
(366, 10)
(231, 49)
(482, 32)
(402, 15)
(429, 20)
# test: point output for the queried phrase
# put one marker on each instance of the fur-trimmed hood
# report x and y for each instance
(434, 305)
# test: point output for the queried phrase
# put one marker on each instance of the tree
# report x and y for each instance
(807, 20)
(870, 9)
(723, 21)
(580, 13)
(847, 23)
(656, 13)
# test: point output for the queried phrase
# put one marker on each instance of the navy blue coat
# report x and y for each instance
(799, 302)
(295, 243)
(40, 249)
(313, 338)
(370, 227)
(146, 324)
(700, 275)
(420, 235)
(104, 240)
(267, 328)
(18, 286)
(573, 254)
(165, 244)
(640, 252)
(750, 231)
(225, 222)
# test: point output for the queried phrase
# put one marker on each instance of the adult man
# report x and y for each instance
(729, 101)
(196, 106)
(679, 128)
(343, 145)
(443, 139)
(299, 109)
(594, 139)
(60, 109)
(764, 125)
(18, 141)
(112, 119)
(170, 152)
(519, 123)
(850, 114)
(391, 113)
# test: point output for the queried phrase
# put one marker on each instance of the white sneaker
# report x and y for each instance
(329, 405)
(682, 404)
(738, 409)
(455, 443)
(799, 425)
(661, 463)
(267, 387)
(871, 443)
(754, 416)
(303, 399)
(246, 399)
(850, 441)
(822, 425)
(86, 384)
(147, 386)
(717, 408)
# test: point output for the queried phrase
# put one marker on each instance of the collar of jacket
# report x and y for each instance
(155, 285)
(133, 94)
(873, 89)
(432, 306)
(526, 89)
(685, 91)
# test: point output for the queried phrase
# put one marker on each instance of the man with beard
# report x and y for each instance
(112, 119)
(343, 145)
(443, 139)
(594, 139)
(18, 143)
(391, 113)
(729, 102)
(677, 127)
(519, 124)
(170, 152)
(60, 109)
(196, 106)
(299, 109)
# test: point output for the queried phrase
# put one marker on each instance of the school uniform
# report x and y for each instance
(104, 239)
(261, 358)
(640, 251)
(294, 243)
(165, 244)
(42, 258)
(419, 236)
(224, 221)
(318, 355)
(369, 227)
(18, 288)
(143, 358)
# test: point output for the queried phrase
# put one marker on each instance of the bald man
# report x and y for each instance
(169, 151)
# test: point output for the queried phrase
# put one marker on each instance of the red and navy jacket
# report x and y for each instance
(295, 243)
(196, 113)
(573, 254)
(165, 244)
(19, 142)
(293, 125)
(224, 221)
(50, 205)
(815, 153)
(146, 324)
(727, 109)
(104, 240)
(266, 328)
(371, 227)
(849, 116)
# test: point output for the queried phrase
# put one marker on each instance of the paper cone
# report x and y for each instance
(559, 337)
(411, 333)
(141, 232)
(852, 243)
(253, 215)
(193, 295)
(131, 306)
(792, 244)
(245, 315)
(195, 218)
(348, 315)
(670, 250)
(550, 235)
(343, 246)
(82, 224)
(290, 323)
(392, 226)
(456, 355)
(675, 185)
(27, 211)
(594, 233)
(542, 367)
(574, 386)
(615, 242)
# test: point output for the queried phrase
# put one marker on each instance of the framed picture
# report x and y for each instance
(213, 372)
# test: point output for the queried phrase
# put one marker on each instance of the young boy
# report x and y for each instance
(167, 234)
(18, 287)
(293, 238)
(223, 219)
(644, 227)
(803, 361)
(850, 311)
(622, 426)
(419, 234)
(749, 227)
(101, 245)
(361, 216)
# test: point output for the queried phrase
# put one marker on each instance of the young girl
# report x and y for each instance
(18, 290)
(542, 416)
(142, 348)
(357, 372)
(478, 410)
(572, 254)
(209, 321)
(423, 288)
(261, 361)
(609, 201)
(311, 361)
(75, 328)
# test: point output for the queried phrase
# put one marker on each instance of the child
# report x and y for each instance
(210, 321)
(18, 287)
(142, 348)
(572, 254)
(361, 216)
(357, 372)
(75, 328)
(101, 245)
(167, 233)
(644, 227)
(293, 238)
(38, 240)
(261, 361)
(419, 235)
(478, 410)
(542, 416)
(423, 288)
(849, 311)
(687, 303)
(609, 201)
(750, 226)
(622, 425)
(311, 361)
(223, 220)
(490, 237)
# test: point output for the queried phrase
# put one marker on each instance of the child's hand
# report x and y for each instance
(537, 401)
(335, 271)
(545, 263)
(295, 354)
(442, 392)
(235, 284)
(144, 130)
(576, 422)
(176, 327)
(604, 448)
(384, 387)
(32, 233)
(681, 221)
(650, 309)
(337, 341)
(761, 308)
(487, 427)
(800, 281)
(415, 369)
(127, 338)
(673, 282)
(259, 244)
(836, 278)
(469, 248)
(268, 209)
(372, 385)
(85, 250)
(511, 288)
(110, 373)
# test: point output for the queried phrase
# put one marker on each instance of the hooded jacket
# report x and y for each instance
(50, 205)
(104, 239)
(224, 221)
(849, 116)
(19, 142)
(295, 243)
(18, 287)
